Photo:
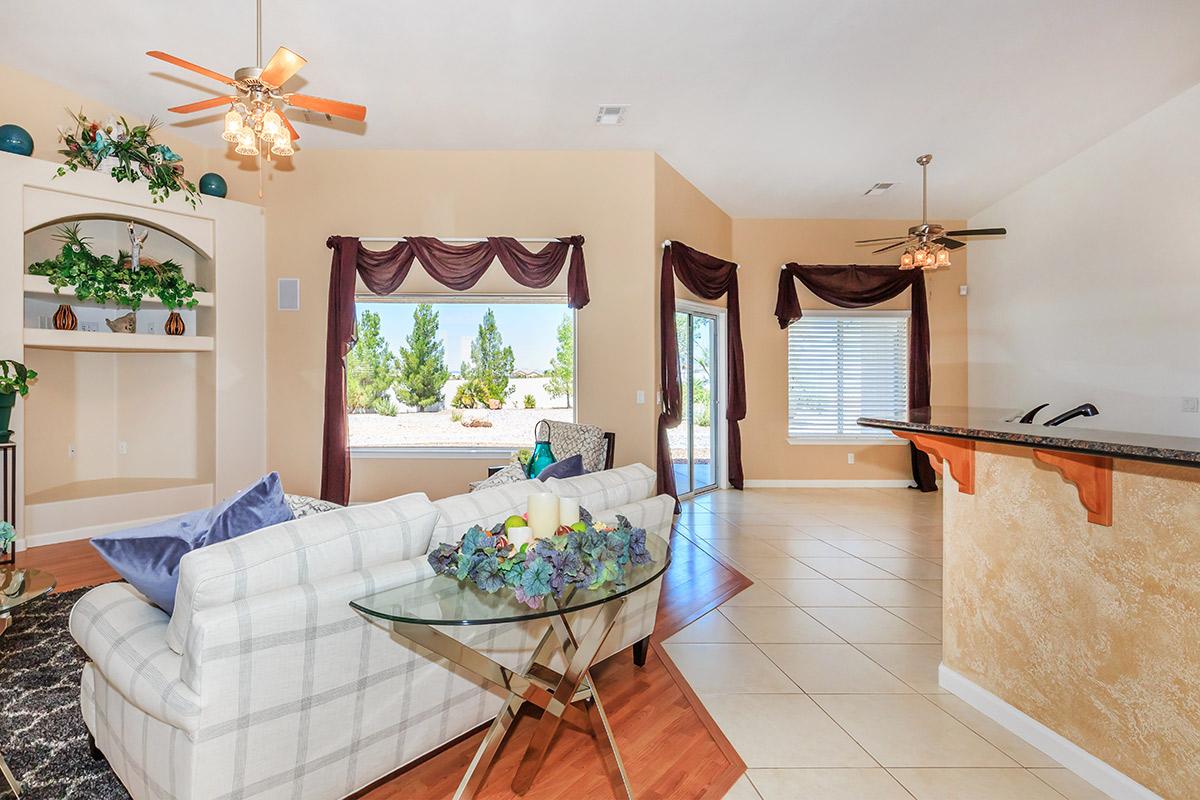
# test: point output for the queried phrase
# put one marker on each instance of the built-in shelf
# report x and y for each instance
(39, 286)
(109, 342)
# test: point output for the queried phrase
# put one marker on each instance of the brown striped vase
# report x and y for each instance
(65, 319)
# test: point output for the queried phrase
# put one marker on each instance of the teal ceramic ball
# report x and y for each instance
(15, 139)
(213, 184)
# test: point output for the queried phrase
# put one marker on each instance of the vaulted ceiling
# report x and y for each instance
(783, 108)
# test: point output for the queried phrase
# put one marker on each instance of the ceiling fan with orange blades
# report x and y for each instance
(253, 115)
(928, 245)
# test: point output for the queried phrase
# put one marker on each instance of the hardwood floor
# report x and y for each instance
(669, 743)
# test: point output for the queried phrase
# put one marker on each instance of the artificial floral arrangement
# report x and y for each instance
(587, 555)
(8, 535)
(105, 280)
(89, 143)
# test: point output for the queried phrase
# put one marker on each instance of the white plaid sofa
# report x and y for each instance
(266, 684)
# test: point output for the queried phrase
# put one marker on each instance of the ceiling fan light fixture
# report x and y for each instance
(283, 144)
(906, 260)
(943, 258)
(246, 144)
(233, 124)
(272, 126)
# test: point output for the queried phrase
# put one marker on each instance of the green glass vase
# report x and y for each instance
(542, 456)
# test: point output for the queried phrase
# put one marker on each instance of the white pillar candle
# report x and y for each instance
(568, 511)
(543, 514)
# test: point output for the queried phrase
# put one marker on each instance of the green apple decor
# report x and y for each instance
(15, 139)
(213, 185)
(15, 378)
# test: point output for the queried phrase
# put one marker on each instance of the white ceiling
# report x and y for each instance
(784, 108)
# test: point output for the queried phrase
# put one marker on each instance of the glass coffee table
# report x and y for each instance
(18, 587)
(417, 610)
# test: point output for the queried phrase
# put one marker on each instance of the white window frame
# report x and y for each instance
(721, 315)
(844, 440)
(467, 452)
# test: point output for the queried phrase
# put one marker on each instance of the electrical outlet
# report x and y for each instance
(1191, 405)
(71, 450)
(123, 448)
(849, 458)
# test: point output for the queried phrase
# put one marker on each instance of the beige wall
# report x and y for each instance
(760, 247)
(1064, 311)
(606, 196)
(1090, 630)
(625, 203)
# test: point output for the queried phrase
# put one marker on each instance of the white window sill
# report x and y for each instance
(849, 440)
(497, 454)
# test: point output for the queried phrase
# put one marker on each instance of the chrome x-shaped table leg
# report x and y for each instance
(580, 655)
(570, 699)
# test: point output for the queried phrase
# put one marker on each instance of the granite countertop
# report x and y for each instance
(989, 425)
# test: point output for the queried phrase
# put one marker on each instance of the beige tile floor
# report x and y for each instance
(824, 673)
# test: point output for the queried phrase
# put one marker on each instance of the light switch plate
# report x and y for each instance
(1191, 405)
(962, 290)
(640, 398)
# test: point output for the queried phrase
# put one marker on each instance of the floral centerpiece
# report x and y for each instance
(7, 536)
(588, 555)
(104, 279)
(131, 152)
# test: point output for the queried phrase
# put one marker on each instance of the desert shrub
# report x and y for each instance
(456, 415)
(464, 397)
(530, 401)
(384, 406)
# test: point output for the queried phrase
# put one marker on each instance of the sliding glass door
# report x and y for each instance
(694, 442)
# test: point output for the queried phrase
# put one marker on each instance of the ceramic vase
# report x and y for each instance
(65, 319)
(174, 325)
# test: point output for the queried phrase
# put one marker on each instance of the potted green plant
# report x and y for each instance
(15, 378)
(104, 279)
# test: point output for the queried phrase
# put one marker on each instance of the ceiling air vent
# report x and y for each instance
(611, 114)
(878, 188)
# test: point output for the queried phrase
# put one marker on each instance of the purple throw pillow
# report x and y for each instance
(569, 467)
(148, 557)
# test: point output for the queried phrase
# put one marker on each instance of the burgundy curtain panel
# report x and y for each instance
(858, 287)
(710, 278)
(457, 267)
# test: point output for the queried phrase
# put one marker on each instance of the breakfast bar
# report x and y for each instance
(1071, 589)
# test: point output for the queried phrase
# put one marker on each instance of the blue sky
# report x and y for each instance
(527, 328)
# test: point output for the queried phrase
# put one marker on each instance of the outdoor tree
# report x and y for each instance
(491, 363)
(422, 365)
(562, 366)
(370, 369)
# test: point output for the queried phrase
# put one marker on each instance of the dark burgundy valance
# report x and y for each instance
(851, 286)
(708, 277)
(457, 267)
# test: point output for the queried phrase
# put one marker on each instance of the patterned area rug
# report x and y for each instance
(42, 735)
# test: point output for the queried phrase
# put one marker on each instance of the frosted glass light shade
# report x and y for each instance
(247, 146)
(283, 144)
(233, 125)
(272, 126)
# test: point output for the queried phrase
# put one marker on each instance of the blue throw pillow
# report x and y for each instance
(569, 467)
(148, 557)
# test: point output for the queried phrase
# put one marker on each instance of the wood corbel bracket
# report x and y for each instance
(958, 453)
(1091, 476)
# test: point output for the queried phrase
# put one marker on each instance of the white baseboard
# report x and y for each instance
(88, 532)
(824, 484)
(1115, 784)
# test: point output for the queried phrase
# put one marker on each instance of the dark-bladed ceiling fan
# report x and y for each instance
(928, 245)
